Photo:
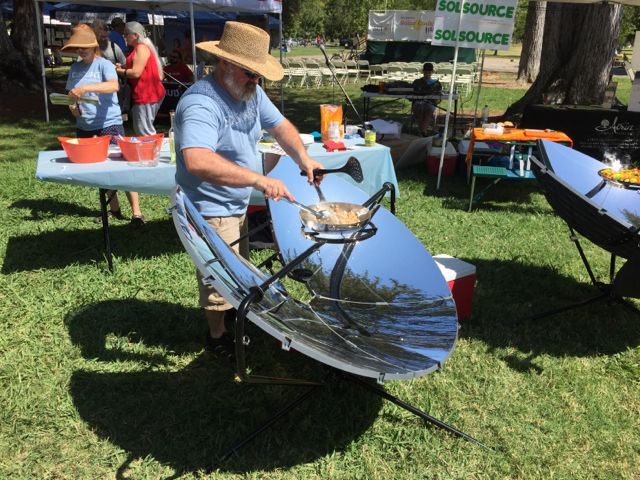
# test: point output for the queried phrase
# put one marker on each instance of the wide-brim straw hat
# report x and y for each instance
(246, 46)
(82, 37)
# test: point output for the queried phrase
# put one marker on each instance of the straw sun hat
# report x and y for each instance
(246, 46)
(82, 36)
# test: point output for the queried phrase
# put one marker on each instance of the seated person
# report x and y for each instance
(177, 70)
(423, 109)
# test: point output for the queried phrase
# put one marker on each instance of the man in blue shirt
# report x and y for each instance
(116, 35)
(217, 126)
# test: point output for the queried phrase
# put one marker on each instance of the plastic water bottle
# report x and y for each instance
(172, 146)
(485, 114)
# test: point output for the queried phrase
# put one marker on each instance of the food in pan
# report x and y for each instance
(627, 176)
(340, 216)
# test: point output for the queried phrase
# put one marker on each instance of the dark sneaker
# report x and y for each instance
(230, 321)
(223, 347)
(138, 221)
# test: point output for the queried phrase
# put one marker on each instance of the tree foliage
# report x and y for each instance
(337, 18)
(520, 20)
(630, 23)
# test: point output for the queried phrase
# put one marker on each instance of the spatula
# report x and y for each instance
(351, 168)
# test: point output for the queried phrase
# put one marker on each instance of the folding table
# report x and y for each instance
(521, 143)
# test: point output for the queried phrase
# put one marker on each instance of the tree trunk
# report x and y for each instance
(532, 42)
(578, 46)
(20, 57)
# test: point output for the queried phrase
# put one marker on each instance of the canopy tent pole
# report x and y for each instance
(475, 112)
(41, 50)
(451, 86)
(280, 48)
(154, 28)
(193, 41)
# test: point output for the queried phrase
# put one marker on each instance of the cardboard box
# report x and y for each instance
(448, 163)
(398, 146)
(461, 278)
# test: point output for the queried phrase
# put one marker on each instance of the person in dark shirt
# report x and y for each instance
(116, 35)
(177, 70)
(423, 109)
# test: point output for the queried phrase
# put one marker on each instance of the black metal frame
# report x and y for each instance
(105, 197)
(256, 293)
(607, 290)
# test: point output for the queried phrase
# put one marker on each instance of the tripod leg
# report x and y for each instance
(410, 408)
(273, 419)
(104, 204)
(602, 296)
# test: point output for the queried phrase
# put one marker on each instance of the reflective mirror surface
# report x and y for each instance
(379, 308)
(385, 293)
(580, 172)
(605, 213)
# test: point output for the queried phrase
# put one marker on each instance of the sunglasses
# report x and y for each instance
(249, 74)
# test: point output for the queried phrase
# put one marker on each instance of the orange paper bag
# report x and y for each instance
(328, 114)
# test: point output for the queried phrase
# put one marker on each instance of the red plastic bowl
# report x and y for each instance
(86, 150)
(147, 147)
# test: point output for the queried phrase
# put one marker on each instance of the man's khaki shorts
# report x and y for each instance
(229, 229)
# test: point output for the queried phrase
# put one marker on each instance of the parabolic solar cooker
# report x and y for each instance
(604, 210)
(378, 306)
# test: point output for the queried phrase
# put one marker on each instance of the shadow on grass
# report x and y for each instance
(508, 294)
(59, 248)
(45, 208)
(187, 418)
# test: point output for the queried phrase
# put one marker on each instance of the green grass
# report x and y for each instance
(103, 375)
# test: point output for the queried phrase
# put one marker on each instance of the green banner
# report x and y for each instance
(384, 52)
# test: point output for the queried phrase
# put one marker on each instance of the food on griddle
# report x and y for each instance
(625, 175)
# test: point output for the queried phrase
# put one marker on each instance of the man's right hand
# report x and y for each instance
(272, 188)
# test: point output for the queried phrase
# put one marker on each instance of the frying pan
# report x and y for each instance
(329, 224)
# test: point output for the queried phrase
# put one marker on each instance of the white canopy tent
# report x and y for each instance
(248, 6)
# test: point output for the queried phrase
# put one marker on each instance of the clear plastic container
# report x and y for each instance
(485, 114)
(334, 131)
(147, 154)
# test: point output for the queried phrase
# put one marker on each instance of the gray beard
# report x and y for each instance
(237, 91)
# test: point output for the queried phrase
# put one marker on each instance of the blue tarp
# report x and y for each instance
(200, 17)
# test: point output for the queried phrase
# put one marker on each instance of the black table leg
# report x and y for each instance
(365, 109)
(455, 115)
(104, 202)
